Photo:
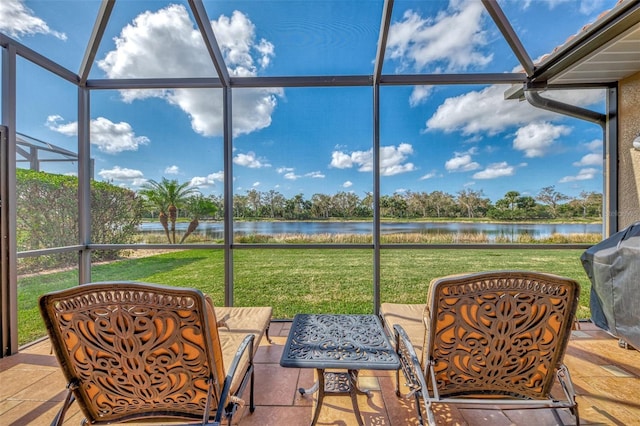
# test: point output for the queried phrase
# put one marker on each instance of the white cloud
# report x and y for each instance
(289, 173)
(496, 170)
(172, 170)
(594, 158)
(112, 137)
(166, 43)
(392, 160)
(550, 3)
(477, 111)
(429, 175)
(68, 129)
(583, 174)
(536, 139)
(315, 175)
(451, 41)
(419, 95)
(217, 176)
(586, 7)
(340, 160)
(589, 160)
(118, 173)
(347, 184)
(461, 162)
(487, 111)
(18, 20)
(250, 160)
(198, 181)
(594, 146)
(255, 184)
(209, 180)
(267, 50)
(108, 136)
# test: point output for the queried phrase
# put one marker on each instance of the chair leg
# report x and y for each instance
(68, 400)
(431, 418)
(416, 398)
(266, 333)
(252, 405)
(397, 341)
(564, 378)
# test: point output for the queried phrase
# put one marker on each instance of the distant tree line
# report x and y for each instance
(47, 210)
(467, 203)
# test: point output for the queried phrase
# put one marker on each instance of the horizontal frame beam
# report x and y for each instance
(441, 79)
(323, 246)
(154, 83)
(307, 81)
(40, 60)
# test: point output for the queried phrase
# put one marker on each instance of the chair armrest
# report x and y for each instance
(409, 362)
(245, 347)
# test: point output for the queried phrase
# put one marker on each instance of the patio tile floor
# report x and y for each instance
(606, 377)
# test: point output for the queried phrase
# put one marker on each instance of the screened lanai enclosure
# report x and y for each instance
(313, 156)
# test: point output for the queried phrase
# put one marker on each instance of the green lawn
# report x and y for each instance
(304, 280)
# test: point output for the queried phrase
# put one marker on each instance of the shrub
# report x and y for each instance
(47, 217)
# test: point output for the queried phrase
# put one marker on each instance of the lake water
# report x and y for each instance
(215, 230)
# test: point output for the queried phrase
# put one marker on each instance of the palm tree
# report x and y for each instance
(198, 206)
(155, 201)
(167, 195)
(512, 197)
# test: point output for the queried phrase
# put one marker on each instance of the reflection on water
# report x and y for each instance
(510, 231)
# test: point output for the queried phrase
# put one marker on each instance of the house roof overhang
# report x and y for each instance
(600, 54)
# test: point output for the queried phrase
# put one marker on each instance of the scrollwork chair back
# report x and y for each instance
(133, 350)
(493, 338)
(499, 333)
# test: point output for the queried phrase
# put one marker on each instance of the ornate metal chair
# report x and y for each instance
(132, 351)
(494, 338)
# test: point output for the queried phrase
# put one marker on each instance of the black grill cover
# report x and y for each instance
(613, 266)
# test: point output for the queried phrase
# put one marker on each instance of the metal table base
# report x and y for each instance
(337, 383)
(346, 343)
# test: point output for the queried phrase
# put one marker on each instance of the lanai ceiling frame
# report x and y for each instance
(617, 23)
(612, 24)
(225, 80)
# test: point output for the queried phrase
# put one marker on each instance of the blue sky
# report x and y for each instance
(311, 140)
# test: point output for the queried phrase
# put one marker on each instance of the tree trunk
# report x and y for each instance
(192, 227)
(165, 224)
(173, 215)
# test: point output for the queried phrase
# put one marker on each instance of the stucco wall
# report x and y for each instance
(629, 158)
